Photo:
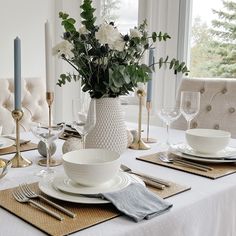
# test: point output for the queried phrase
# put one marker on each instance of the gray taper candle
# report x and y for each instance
(149, 85)
(17, 73)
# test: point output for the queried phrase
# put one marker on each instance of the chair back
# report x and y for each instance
(34, 103)
(218, 103)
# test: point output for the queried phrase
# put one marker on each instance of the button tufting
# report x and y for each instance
(231, 110)
(216, 126)
(224, 91)
(209, 108)
(202, 90)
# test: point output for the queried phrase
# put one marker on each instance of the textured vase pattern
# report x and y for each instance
(110, 129)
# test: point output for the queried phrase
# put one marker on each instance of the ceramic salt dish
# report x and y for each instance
(91, 167)
(207, 140)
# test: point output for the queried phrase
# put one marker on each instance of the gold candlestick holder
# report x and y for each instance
(52, 161)
(18, 160)
(138, 143)
(148, 139)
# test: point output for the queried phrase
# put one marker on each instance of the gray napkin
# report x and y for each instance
(137, 202)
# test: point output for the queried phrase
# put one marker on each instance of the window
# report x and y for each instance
(116, 11)
(213, 39)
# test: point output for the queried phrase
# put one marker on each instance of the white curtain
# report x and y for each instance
(166, 16)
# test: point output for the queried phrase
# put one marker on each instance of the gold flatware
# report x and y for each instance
(4, 164)
(20, 197)
(200, 167)
(151, 183)
(147, 177)
(22, 141)
(31, 194)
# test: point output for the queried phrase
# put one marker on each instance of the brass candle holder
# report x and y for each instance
(18, 160)
(148, 139)
(52, 161)
(138, 143)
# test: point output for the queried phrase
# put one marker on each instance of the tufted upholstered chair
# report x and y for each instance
(218, 104)
(34, 103)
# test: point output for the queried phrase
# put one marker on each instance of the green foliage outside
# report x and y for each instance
(213, 53)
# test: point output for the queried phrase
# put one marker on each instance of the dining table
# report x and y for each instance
(207, 209)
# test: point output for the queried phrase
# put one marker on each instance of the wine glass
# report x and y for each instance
(168, 115)
(189, 105)
(84, 116)
(47, 134)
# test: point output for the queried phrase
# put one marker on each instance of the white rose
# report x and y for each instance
(118, 45)
(83, 30)
(101, 61)
(134, 33)
(63, 48)
(107, 34)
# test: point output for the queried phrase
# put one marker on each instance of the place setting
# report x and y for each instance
(206, 152)
(91, 178)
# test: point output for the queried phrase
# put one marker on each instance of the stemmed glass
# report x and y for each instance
(168, 115)
(84, 116)
(47, 134)
(189, 105)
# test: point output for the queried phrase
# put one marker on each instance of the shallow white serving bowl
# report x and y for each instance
(207, 140)
(91, 167)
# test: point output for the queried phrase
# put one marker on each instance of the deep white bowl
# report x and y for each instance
(207, 140)
(91, 167)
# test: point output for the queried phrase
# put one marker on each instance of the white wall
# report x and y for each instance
(25, 19)
(65, 94)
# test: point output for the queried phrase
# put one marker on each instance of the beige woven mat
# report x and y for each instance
(23, 148)
(219, 170)
(87, 215)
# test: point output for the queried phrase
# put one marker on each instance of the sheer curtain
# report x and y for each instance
(171, 17)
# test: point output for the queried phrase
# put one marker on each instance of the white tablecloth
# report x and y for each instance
(208, 209)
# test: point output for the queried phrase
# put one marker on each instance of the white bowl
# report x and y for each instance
(91, 167)
(207, 140)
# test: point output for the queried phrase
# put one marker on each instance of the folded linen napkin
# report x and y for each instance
(137, 202)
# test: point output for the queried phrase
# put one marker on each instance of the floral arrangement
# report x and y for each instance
(107, 62)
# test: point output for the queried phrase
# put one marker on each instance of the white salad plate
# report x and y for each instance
(201, 159)
(5, 142)
(186, 149)
(124, 180)
(63, 183)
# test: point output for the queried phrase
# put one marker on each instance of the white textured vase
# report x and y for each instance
(110, 129)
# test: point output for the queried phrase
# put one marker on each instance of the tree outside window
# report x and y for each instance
(213, 51)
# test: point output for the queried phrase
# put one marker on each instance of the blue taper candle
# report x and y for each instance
(149, 85)
(17, 73)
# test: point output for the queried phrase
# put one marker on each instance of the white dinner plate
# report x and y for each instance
(201, 159)
(186, 149)
(5, 142)
(50, 190)
(63, 183)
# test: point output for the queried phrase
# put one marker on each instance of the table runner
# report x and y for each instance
(87, 215)
(219, 170)
(23, 148)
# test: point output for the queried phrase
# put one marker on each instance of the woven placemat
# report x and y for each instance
(87, 215)
(23, 148)
(219, 169)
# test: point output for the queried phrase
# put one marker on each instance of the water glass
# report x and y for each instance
(84, 116)
(168, 115)
(189, 105)
(47, 134)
